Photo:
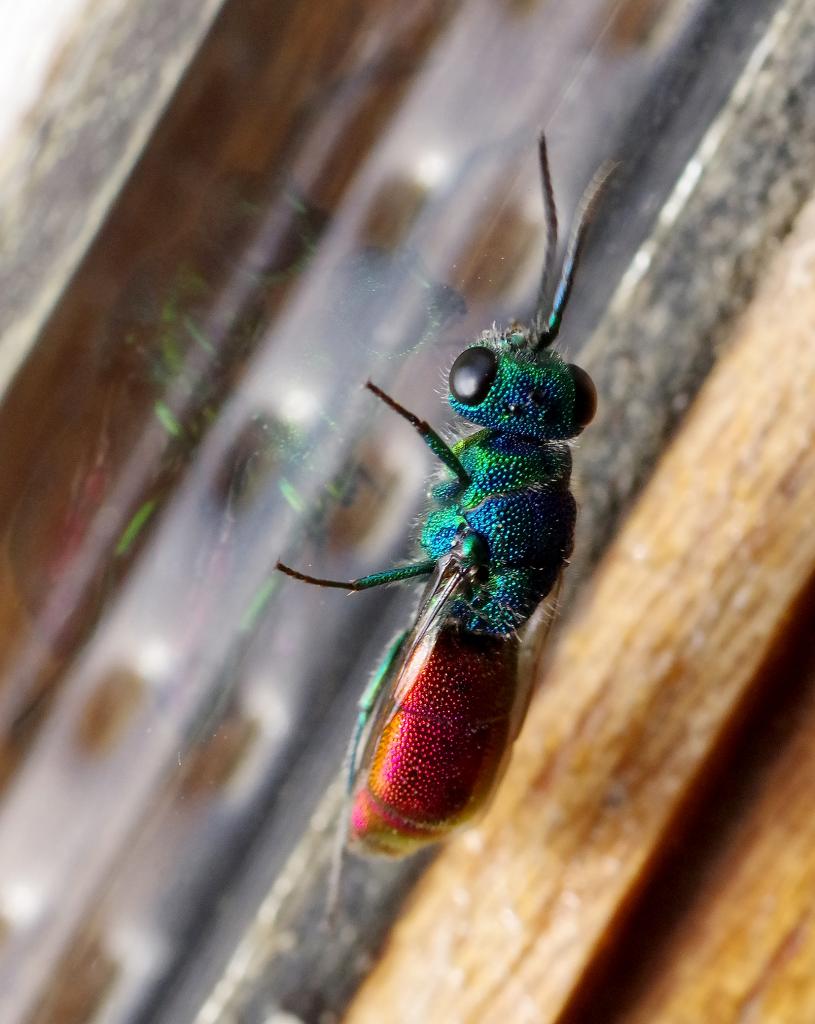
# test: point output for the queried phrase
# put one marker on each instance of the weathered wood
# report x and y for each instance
(655, 670)
(726, 933)
(106, 90)
(242, 109)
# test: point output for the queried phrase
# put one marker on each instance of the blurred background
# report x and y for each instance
(218, 220)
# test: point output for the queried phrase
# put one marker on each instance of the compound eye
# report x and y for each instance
(585, 396)
(472, 375)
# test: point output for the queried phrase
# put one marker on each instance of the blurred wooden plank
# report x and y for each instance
(112, 70)
(742, 948)
(659, 664)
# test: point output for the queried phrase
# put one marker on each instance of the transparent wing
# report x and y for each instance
(536, 637)
(448, 583)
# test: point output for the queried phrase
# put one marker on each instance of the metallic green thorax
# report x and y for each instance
(518, 496)
(503, 516)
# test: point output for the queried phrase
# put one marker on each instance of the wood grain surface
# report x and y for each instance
(664, 663)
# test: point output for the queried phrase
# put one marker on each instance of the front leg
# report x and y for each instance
(433, 441)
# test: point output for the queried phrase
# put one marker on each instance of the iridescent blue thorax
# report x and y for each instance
(517, 498)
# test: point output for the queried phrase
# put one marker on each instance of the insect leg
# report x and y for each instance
(426, 432)
(375, 579)
(367, 704)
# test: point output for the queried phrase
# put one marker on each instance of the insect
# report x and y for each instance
(438, 720)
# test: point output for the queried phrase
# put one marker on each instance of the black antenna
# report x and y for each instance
(550, 226)
(548, 331)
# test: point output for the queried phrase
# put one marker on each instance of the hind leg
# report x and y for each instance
(368, 702)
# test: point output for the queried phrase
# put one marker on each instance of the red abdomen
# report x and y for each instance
(438, 748)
